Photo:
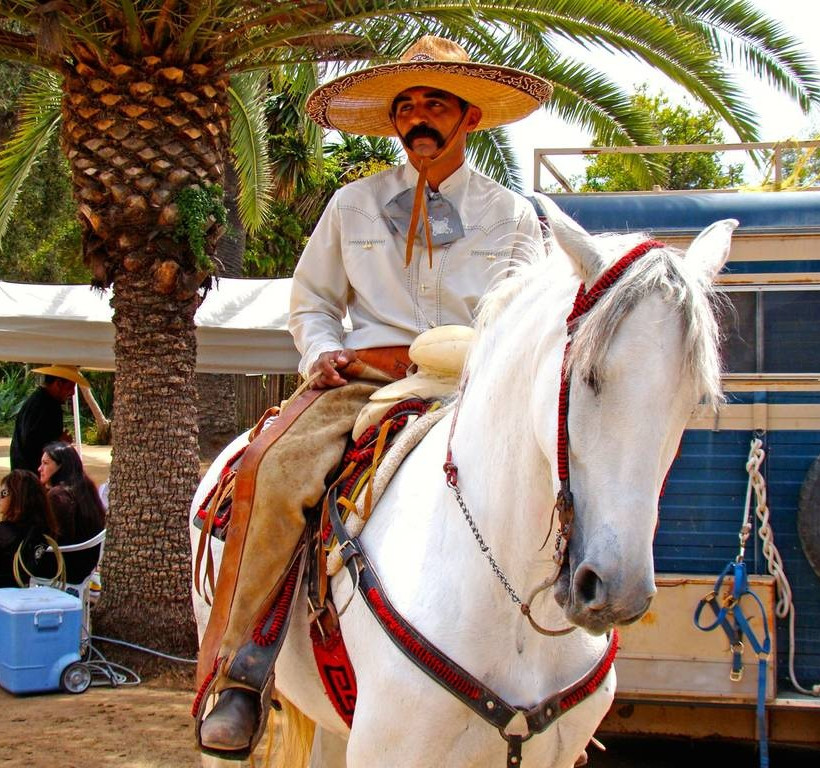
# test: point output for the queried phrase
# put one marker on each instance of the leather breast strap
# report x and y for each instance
(516, 725)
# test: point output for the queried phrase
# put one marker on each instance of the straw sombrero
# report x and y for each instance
(360, 102)
(70, 372)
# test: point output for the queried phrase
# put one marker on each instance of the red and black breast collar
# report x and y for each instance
(515, 724)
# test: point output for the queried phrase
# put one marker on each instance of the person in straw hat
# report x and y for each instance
(40, 419)
(406, 250)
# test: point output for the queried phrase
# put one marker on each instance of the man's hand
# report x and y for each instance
(328, 364)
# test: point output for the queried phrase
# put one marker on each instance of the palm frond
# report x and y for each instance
(249, 141)
(587, 97)
(491, 153)
(298, 81)
(761, 45)
(39, 117)
(133, 30)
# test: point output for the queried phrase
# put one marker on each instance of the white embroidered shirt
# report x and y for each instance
(354, 264)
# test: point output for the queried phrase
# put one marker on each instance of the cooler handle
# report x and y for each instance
(48, 619)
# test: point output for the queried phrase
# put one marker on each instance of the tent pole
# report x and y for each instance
(78, 435)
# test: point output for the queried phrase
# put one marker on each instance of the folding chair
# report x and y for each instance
(83, 589)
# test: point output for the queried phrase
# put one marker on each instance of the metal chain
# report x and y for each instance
(483, 546)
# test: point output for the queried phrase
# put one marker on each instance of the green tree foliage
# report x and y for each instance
(359, 156)
(305, 184)
(42, 243)
(673, 124)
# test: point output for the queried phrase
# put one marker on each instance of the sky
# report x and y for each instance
(779, 117)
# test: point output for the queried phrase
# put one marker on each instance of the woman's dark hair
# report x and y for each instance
(71, 475)
(28, 502)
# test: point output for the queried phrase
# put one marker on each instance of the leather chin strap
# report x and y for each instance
(423, 164)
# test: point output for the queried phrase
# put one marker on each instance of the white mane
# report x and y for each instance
(662, 270)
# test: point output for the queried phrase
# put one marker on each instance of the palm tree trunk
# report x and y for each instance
(154, 472)
(216, 412)
(138, 133)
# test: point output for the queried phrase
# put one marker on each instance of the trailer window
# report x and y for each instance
(771, 331)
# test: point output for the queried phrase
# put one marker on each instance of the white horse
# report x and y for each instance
(639, 362)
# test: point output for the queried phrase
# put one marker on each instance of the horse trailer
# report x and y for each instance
(744, 488)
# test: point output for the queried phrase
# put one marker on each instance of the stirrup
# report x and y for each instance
(266, 702)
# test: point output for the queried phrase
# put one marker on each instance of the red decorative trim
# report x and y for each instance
(336, 671)
(220, 519)
(579, 694)
(362, 451)
(563, 429)
(448, 677)
(204, 687)
(267, 630)
(229, 464)
(584, 301)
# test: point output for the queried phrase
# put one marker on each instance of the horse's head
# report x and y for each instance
(640, 360)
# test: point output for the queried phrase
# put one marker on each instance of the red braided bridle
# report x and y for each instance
(584, 302)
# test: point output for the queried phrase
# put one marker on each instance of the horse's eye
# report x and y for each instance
(593, 381)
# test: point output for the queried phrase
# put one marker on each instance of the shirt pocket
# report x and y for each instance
(491, 255)
(362, 252)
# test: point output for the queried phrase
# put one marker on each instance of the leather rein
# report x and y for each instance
(515, 724)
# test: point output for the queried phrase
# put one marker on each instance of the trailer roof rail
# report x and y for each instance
(761, 152)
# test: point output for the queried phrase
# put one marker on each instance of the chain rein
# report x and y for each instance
(483, 546)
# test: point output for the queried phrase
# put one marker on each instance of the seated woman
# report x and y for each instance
(76, 503)
(25, 518)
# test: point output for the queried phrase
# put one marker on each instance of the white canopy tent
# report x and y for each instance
(241, 326)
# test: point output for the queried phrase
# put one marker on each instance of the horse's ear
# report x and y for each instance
(574, 240)
(709, 250)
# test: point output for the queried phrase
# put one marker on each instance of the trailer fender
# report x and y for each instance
(808, 515)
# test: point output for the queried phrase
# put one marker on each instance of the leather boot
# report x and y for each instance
(230, 725)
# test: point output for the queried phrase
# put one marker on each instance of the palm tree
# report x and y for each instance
(145, 120)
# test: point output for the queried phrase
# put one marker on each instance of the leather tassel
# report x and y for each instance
(419, 209)
(420, 199)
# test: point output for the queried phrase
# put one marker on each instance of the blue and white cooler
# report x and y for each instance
(40, 631)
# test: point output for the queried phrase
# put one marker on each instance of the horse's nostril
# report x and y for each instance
(589, 588)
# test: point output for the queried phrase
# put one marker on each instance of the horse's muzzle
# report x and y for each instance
(589, 602)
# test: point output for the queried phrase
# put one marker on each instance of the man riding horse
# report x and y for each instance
(409, 249)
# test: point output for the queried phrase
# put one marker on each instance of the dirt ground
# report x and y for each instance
(149, 726)
(144, 726)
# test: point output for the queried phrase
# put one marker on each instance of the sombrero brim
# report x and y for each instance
(360, 102)
(64, 372)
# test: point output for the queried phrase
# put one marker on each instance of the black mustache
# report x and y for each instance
(423, 131)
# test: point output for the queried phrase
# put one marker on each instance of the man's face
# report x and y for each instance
(65, 389)
(425, 117)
